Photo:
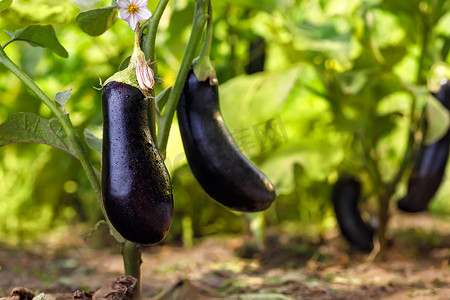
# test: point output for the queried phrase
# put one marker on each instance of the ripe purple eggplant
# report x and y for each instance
(213, 156)
(429, 166)
(345, 197)
(136, 187)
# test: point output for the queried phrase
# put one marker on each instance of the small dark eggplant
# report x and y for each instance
(345, 197)
(429, 166)
(213, 156)
(257, 56)
(137, 192)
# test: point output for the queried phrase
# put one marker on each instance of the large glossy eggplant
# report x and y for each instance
(345, 197)
(213, 156)
(137, 192)
(429, 166)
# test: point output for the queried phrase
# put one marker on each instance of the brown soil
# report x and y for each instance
(231, 267)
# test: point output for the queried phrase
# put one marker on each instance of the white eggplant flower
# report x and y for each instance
(133, 11)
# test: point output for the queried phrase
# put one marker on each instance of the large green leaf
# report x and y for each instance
(26, 127)
(268, 5)
(30, 12)
(96, 21)
(317, 161)
(42, 36)
(4, 4)
(250, 99)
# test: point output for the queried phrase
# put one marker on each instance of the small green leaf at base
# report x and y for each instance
(438, 119)
(119, 238)
(63, 97)
(96, 21)
(26, 127)
(112, 231)
(41, 36)
(4, 4)
(92, 141)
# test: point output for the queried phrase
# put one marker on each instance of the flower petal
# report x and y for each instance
(124, 14)
(140, 3)
(143, 14)
(132, 21)
(141, 78)
(123, 4)
(148, 75)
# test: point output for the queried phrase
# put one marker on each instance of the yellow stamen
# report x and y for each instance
(133, 8)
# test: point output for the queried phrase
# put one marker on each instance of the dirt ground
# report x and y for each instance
(417, 267)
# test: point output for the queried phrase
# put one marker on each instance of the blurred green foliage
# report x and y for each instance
(339, 81)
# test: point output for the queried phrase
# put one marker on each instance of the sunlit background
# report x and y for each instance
(337, 75)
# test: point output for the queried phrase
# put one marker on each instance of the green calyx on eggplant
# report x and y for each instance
(429, 166)
(345, 196)
(136, 187)
(213, 156)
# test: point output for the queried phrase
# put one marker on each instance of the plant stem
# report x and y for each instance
(409, 151)
(206, 45)
(132, 261)
(149, 43)
(7, 43)
(426, 33)
(383, 214)
(371, 166)
(200, 17)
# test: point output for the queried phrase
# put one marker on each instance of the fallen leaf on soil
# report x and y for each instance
(20, 293)
(82, 295)
(123, 288)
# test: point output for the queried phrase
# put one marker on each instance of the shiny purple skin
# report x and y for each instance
(345, 197)
(429, 167)
(213, 156)
(136, 187)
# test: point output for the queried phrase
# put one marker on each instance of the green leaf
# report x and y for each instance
(4, 4)
(116, 235)
(112, 231)
(124, 63)
(63, 97)
(11, 34)
(26, 127)
(247, 100)
(92, 141)
(41, 36)
(162, 98)
(96, 21)
(268, 5)
(438, 119)
(318, 160)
